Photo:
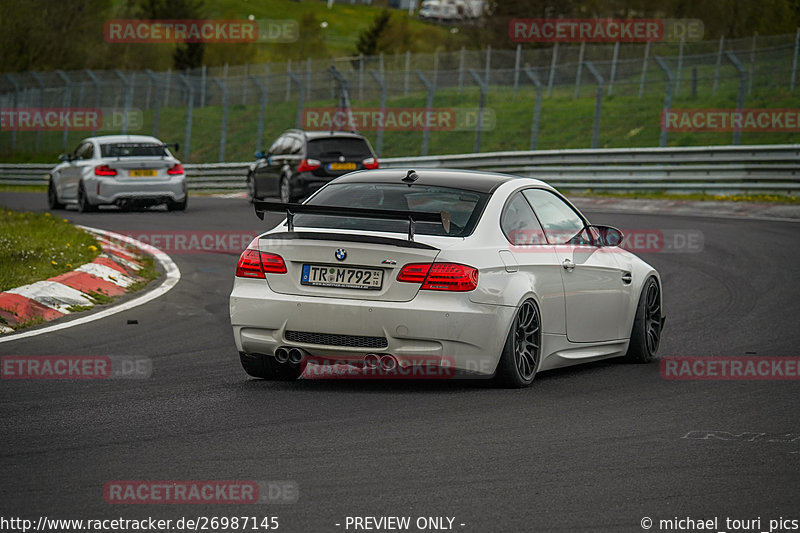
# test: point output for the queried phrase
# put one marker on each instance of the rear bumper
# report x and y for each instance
(444, 326)
(111, 191)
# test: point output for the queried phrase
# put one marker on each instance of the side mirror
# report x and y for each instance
(609, 236)
(65, 158)
(259, 155)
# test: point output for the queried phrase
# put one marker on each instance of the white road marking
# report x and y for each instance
(107, 273)
(53, 294)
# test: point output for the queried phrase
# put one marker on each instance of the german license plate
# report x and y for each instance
(342, 277)
(342, 166)
(143, 173)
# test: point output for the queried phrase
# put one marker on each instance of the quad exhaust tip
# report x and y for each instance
(388, 362)
(372, 360)
(281, 355)
(295, 355)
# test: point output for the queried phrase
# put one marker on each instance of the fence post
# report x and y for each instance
(579, 73)
(517, 59)
(223, 134)
(380, 81)
(308, 78)
(288, 79)
(737, 132)
(344, 98)
(203, 78)
(436, 67)
(126, 101)
(551, 79)
(408, 67)
(536, 109)
(794, 60)
(361, 76)
(461, 68)
(295, 78)
(40, 81)
(667, 100)
(752, 65)
(244, 83)
(15, 104)
(166, 88)
(644, 69)
(476, 148)
(613, 76)
(719, 64)
(598, 106)
(67, 101)
(488, 63)
(694, 82)
(157, 109)
(679, 72)
(189, 106)
(262, 88)
(426, 133)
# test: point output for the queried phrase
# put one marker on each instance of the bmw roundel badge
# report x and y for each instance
(341, 254)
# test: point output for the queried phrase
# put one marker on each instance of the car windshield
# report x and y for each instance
(133, 150)
(334, 147)
(464, 207)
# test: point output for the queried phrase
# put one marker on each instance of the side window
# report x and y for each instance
(296, 146)
(561, 223)
(85, 151)
(279, 147)
(519, 223)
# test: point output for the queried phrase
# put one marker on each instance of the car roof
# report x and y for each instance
(124, 139)
(311, 135)
(485, 182)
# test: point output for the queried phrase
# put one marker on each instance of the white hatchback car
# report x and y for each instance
(483, 274)
(122, 170)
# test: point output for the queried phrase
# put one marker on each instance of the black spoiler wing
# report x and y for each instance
(412, 217)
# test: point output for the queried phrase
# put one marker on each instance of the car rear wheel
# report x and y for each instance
(84, 204)
(266, 367)
(52, 196)
(647, 326)
(178, 206)
(521, 355)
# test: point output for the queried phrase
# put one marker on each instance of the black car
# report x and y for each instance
(300, 162)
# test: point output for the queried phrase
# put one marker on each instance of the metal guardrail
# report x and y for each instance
(740, 169)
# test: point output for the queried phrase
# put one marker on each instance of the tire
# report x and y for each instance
(84, 204)
(252, 188)
(522, 350)
(285, 190)
(647, 325)
(52, 196)
(266, 367)
(178, 206)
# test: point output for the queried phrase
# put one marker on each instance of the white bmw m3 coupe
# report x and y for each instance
(474, 273)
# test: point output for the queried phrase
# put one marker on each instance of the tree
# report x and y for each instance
(186, 55)
(368, 39)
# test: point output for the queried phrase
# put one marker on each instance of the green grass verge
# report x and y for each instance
(35, 247)
(148, 273)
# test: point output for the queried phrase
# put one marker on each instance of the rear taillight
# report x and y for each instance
(371, 163)
(104, 170)
(307, 165)
(177, 169)
(254, 264)
(440, 276)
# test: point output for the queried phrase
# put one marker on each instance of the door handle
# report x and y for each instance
(568, 265)
(626, 278)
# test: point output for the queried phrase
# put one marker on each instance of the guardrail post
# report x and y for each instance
(261, 108)
(517, 59)
(579, 73)
(381, 82)
(644, 69)
(737, 132)
(15, 103)
(598, 106)
(157, 108)
(552, 76)
(40, 81)
(428, 105)
(189, 108)
(295, 78)
(614, 60)
(794, 60)
(223, 134)
(481, 103)
(126, 101)
(679, 72)
(667, 100)
(461, 68)
(537, 109)
(719, 64)
(67, 101)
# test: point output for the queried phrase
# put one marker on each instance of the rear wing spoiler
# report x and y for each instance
(442, 217)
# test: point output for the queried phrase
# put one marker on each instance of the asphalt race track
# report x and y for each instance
(595, 447)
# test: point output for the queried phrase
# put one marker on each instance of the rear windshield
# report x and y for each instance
(133, 150)
(333, 148)
(464, 207)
